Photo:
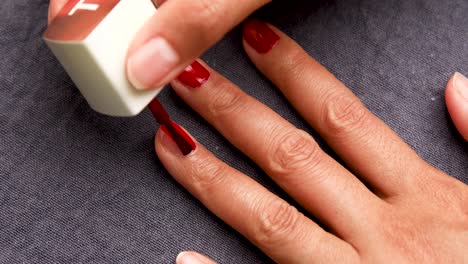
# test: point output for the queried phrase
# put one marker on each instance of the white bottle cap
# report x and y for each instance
(90, 38)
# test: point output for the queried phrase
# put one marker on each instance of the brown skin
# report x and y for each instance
(415, 214)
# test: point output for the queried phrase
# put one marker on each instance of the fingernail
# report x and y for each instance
(260, 36)
(151, 63)
(194, 76)
(190, 258)
(461, 85)
(180, 137)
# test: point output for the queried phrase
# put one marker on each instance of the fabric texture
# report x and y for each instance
(79, 187)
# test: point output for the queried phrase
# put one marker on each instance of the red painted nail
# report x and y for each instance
(194, 76)
(259, 36)
(180, 137)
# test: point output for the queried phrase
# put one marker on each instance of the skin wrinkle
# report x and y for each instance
(388, 148)
(277, 220)
(294, 63)
(291, 152)
(226, 102)
(205, 174)
(414, 238)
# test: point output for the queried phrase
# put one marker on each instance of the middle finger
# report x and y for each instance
(290, 156)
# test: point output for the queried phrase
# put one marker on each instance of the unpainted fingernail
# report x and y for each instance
(190, 258)
(461, 85)
(148, 66)
(260, 36)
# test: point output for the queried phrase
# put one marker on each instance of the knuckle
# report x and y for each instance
(452, 195)
(293, 151)
(344, 114)
(295, 62)
(206, 174)
(226, 101)
(405, 236)
(277, 221)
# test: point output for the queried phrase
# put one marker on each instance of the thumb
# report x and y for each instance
(456, 97)
(189, 257)
(54, 8)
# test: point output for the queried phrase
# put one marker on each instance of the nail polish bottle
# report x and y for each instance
(90, 38)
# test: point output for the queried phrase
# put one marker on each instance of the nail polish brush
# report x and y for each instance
(174, 131)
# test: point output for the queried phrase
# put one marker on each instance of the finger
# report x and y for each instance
(269, 222)
(361, 139)
(178, 33)
(189, 257)
(54, 8)
(456, 97)
(289, 155)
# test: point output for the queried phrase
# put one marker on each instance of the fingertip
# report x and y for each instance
(54, 8)
(449, 91)
(259, 37)
(270, 49)
(191, 257)
(171, 139)
(164, 145)
(456, 97)
(159, 137)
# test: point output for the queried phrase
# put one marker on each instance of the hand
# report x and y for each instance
(411, 212)
(178, 33)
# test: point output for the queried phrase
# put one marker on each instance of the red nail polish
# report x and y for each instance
(180, 137)
(259, 36)
(158, 111)
(194, 76)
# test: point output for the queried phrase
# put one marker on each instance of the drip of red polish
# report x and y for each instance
(175, 132)
(260, 36)
(194, 76)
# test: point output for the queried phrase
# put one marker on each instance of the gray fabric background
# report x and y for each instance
(79, 187)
